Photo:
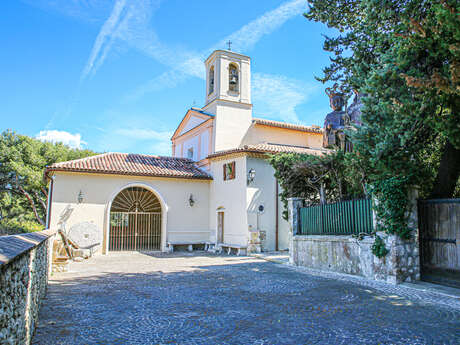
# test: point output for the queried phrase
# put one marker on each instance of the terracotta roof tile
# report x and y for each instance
(133, 164)
(279, 124)
(271, 148)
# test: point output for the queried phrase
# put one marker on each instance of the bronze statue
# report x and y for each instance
(339, 120)
(334, 122)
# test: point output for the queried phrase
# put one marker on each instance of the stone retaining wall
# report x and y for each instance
(346, 254)
(25, 262)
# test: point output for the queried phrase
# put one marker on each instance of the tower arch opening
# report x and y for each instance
(211, 80)
(233, 77)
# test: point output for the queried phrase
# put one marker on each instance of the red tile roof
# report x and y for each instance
(293, 126)
(133, 164)
(271, 148)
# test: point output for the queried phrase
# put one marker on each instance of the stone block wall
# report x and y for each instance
(25, 262)
(346, 254)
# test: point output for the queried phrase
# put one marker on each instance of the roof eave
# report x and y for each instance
(112, 172)
(288, 126)
(176, 132)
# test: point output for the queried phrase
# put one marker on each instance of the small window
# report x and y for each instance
(229, 171)
(233, 78)
(211, 80)
(190, 153)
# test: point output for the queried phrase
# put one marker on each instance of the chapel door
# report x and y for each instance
(220, 227)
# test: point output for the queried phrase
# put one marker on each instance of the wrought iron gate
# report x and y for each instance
(135, 221)
(135, 231)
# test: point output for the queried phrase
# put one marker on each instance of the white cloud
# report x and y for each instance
(120, 131)
(277, 96)
(129, 22)
(135, 139)
(69, 139)
(144, 134)
(246, 37)
(169, 79)
(161, 148)
(104, 40)
(134, 29)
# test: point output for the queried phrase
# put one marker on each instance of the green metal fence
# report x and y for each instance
(342, 218)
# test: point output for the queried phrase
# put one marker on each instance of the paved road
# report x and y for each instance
(205, 299)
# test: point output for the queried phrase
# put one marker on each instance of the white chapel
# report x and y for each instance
(217, 190)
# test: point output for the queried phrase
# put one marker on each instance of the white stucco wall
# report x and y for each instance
(231, 124)
(229, 196)
(178, 151)
(262, 191)
(197, 138)
(204, 150)
(181, 222)
(192, 142)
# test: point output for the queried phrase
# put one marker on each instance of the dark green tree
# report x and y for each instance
(404, 58)
(23, 189)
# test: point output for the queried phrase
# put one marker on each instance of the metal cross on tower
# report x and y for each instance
(229, 45)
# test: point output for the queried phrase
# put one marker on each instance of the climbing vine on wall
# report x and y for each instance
(327, 179)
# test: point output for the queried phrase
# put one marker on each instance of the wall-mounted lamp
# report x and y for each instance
(191, 201)
(80, 197)
(251, 175)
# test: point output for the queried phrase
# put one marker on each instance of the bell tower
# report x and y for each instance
(228, 77)
(228, 97)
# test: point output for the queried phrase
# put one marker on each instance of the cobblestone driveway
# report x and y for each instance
(204, 299)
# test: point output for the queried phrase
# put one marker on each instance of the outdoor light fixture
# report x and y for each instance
(251, 175)
(80, 197)
(191, 201)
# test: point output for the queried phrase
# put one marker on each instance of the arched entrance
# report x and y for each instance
(135, 220)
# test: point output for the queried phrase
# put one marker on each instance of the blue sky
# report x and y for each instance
(120, 75)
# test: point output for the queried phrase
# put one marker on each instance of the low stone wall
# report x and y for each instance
(25, 262)
(346, 254)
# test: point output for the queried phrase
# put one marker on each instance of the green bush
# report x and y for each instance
(13, 226)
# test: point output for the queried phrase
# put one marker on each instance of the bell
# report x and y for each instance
(233, 80)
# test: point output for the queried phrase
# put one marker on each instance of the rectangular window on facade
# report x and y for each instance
(229, 171)
(190, 153)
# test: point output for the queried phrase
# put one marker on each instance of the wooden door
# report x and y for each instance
(439, 225)
(220, 227)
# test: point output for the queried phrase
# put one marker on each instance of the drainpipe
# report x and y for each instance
(276, 216)
(49, 203)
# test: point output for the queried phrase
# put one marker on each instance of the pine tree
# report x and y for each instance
(23, 189)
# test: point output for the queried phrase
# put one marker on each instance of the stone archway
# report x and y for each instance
(135, 220)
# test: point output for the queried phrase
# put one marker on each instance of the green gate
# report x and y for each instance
(341, 218)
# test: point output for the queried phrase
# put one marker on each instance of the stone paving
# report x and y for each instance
(198, 298)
